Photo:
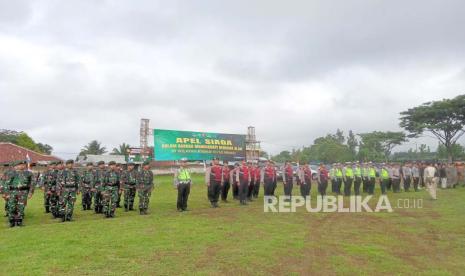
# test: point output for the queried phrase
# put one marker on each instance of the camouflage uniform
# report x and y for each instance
(18, 187)
(145, 190)
(99, 180)
(68, 187)
(129, 180)
(111, 187)
(87, 184)
(3, 178)
(50, 196)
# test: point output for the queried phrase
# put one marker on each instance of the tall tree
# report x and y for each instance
(352, 143)
(94, 147)
(378, 144)
(445, 119)
(121, 149)
(45, 148)
(458, 152)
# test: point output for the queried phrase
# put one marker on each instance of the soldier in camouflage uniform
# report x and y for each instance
(6, 172)
(18, 188)
(58, 175)
(111, 188)
(48, 183)
(68, 187)
(145, 188)
(99, 179)
(129, 180)
(119, 169)
(87, 184)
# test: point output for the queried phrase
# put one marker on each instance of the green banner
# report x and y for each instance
(175, 145)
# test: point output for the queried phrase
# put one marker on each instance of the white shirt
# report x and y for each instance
(430, 171)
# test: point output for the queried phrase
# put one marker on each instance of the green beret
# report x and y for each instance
(112, 163)
(146, 163)
(101, 163)
(70, 161)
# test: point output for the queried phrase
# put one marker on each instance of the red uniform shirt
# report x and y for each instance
(307, 174)
(289, 172)
(244, 173)
(216, 172)
(252, 173)
(270, 174)
(226, 172)
(257, 174)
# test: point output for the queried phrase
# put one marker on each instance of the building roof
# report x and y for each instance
(10, 152)
(105, 158)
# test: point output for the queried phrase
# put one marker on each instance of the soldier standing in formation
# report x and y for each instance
(129, 180)
(98, 189)
(87, 184)
(288, 179)
(111, 189)
(3, 179)
(68, 189)
(243, 179)
(145, 188)
(119, 170)
(183, 181)
(226, 182)
(18, 188)
(214, 181)
(48, 183)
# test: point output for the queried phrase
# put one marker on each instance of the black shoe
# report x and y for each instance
(131, 208)
(47, 210)
(19, 222)
(63, 218)
(12, 223)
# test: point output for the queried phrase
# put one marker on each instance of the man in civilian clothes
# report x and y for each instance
(268, 177)
(243, 178)
(226, 182)
(214, 180)
(288, 179)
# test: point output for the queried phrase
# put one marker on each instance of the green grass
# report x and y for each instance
(239, 240)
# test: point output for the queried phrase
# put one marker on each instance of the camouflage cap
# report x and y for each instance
(101, 163)
(111, 163)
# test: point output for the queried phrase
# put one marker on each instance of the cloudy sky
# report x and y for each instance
(74, 71)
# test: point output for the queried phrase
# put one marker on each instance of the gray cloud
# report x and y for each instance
(75, 71)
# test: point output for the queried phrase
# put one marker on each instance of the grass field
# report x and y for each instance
(239, 239)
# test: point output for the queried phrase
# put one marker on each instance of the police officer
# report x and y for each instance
(183, 181)
(304, 177)
(252, 171)
(235, 185)
(372, 179)
(129, 180)
(384, 178)
(18, 188)
(323, 177)
(111, 189)
(145, 188)
(214, 181)
(357, 179)
(68, 187)
(268, 176)
(87, 184)
(226, 182)
(256, 187)
(98, 189)
(243, 179)
(348, 176)
(288, 179)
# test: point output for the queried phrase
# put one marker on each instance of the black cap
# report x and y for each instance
(89, 164)
(70, 161)
(111, 163)
(100, 163)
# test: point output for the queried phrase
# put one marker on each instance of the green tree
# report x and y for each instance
(121, 149)
(445, 119)
(45, 148)
(378, 145)
(330, 149)
(283, 156)
(458, 152)
(264, 154)
(94, 147)
(352, 143)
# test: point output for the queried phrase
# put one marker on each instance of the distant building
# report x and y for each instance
(105, 158)
(10, 152)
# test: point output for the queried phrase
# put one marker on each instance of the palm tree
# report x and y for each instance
(94, 147)
(121, 149)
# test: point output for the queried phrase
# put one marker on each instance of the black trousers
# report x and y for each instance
(384, 183)
(371, 186)
(366, 183)
(235, 190)
(389, 184)
(47, 197)
(348, 186)
(357, 183)
(288, 185)
(396, 185)
(275, 184)
(243, 190)
(86, 198)
(251, 187)
(305, 189)
(415, 180)
(322, 186)
(268, 187)
(98, 202)
(214, 191)
(225, 190)
(184, 190)
(407, 183)
(256, 188)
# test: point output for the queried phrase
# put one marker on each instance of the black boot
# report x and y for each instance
(19, 222)
(12, 223)
(47, 209)
(131, 208)
(63, 218)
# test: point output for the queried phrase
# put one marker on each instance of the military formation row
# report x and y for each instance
(61, 184)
